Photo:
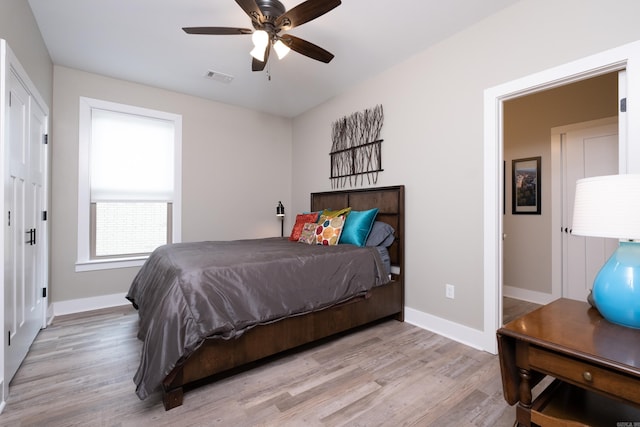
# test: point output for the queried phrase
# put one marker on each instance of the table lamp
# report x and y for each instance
(280, 215)
(609, 206)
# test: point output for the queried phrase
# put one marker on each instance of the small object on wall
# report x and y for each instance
(525, 186)
(356, 148)
(280, 215)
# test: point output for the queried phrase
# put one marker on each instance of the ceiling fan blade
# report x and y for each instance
(306, 48)
(251, 8)
(258, 65)
(305, 12)
(220, 31)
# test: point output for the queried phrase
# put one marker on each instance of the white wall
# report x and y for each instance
(433, 134)
(236, 167)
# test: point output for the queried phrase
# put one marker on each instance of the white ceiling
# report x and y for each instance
(142, 41)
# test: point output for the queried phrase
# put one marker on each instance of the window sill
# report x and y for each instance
(108, 264)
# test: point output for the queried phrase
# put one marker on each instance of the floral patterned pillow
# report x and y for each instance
(328, 230)
(301, 219)
(308, 233)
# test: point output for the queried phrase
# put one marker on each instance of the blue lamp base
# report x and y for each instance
(616, 289)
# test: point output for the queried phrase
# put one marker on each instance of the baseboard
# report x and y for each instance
(87, 304)
(527, 295)
(3, 402)
(460, 333)
(49, 314)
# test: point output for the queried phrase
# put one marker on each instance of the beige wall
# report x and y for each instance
(19, 28)
(236, 167)
(433, 134)
(433, 143)
(527, 133)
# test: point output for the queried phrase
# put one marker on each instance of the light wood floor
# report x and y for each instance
(79, 373)
(513, 308)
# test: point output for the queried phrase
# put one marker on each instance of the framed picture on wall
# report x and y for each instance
(525, 186)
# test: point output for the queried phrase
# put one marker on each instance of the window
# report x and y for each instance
(129, 183)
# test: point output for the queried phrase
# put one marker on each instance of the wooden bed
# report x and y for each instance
(386, 301)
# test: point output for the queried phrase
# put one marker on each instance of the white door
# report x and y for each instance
(591, 151)
(24, 198)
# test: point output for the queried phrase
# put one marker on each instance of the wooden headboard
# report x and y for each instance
(390, 204)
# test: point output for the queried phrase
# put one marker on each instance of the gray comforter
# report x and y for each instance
(188, 292)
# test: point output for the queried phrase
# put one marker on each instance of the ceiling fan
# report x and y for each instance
(269, 18)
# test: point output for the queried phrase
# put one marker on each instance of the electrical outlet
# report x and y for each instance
(450, 291)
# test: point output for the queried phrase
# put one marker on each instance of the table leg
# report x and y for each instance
(523, 410)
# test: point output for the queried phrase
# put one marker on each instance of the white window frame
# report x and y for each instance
(84, 261)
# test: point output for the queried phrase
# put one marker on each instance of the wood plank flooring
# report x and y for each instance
(513, 308)
(79, 373)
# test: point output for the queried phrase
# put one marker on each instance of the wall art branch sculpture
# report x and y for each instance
(356, 148)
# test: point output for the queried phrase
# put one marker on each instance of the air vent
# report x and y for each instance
(218, 76)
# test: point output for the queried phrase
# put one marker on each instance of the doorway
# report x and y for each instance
(624, 58)
(529, 263)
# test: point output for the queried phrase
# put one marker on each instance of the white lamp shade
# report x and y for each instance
(607, 206)
(281, 49)
(260, 38)
(260, 41)
(258, 53)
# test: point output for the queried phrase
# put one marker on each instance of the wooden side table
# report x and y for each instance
(596, 365)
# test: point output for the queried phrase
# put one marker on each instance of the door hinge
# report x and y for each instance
(623, 105)
(44, 215)
(9, 335)
(44, 292)
(9, 218)
(45, 138)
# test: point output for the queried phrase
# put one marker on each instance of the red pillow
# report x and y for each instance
(301, 220)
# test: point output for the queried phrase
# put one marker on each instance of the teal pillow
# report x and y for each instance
(358, 226)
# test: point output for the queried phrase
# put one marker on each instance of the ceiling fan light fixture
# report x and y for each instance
(281, 49)
(269, 18)
(260, 41)
(258, 53)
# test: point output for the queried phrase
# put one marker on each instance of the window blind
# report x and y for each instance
(131, 157)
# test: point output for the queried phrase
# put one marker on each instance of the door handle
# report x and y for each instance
(32, 236)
